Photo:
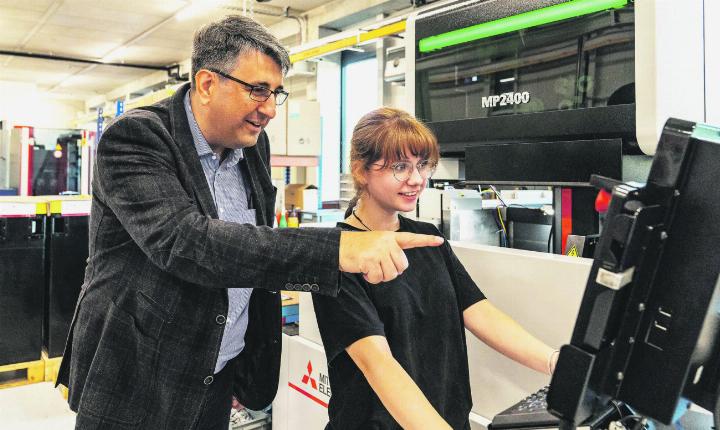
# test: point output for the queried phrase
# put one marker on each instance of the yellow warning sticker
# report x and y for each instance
(572, 252)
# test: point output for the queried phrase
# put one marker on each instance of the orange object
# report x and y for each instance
(565, 216)
(602, 201)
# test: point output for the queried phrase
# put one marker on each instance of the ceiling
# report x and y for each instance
(143, 32)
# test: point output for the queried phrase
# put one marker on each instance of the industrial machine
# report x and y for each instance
(547, 93)
(648, 329)
(22, 276)
(520, 219)
(38, 161)
(57, 170)
(66, 257)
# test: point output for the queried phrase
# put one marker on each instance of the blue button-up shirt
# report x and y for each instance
(232, 200)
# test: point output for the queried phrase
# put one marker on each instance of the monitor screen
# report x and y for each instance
(647, 329)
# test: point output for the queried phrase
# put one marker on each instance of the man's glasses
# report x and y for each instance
(257, 92)
(402, 170)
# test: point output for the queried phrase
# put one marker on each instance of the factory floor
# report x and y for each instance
(34, 407)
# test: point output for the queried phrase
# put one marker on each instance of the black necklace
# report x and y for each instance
(361, 221)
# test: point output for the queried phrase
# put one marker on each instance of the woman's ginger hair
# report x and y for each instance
(390, 135)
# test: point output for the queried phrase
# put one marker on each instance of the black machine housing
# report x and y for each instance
(578, 118)
(647, 329)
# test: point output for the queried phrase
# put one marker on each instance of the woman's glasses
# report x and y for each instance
(402, 170)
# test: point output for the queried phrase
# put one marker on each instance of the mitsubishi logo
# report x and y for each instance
(307, 377)
(320, 385)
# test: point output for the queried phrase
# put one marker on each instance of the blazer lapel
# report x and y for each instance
(183, 137)
(259, 182)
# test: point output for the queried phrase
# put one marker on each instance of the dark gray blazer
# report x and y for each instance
(149, 321)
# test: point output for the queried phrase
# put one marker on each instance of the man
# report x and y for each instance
(179, 309)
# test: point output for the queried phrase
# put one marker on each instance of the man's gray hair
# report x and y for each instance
(218, 45)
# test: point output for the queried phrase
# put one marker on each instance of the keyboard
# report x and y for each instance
(529, 413)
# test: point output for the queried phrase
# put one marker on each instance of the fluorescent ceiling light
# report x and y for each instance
(115, 54)
(507, 80)
(558, 12)
(70, 80)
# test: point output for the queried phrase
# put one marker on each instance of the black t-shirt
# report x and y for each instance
(420, 314)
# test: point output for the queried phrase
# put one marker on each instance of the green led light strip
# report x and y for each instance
(533, 18)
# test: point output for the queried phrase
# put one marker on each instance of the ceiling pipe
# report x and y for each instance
(79, 60)
(302, 24)
(108, 54)
(285, 13)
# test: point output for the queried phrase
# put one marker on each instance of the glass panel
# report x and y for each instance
(56, 162)
(583, 62)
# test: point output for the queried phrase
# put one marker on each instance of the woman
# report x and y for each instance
(396, 352)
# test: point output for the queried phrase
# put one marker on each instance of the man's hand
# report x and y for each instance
(379, 255)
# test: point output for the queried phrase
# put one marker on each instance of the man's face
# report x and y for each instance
(234, 120)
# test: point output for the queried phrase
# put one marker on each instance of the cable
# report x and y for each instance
(641, 424)
(499, 230)
(497, 195)
(503, 239)
(617, 408)
(502, 225)
(550, 238)
(631, 417)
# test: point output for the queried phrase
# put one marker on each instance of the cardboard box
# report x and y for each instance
(301, 196)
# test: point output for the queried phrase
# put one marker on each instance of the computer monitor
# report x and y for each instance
(647, 332)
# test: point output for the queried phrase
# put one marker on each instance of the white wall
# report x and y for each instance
(712, 62)
(669, 70)
(396, 96)
(23, 104)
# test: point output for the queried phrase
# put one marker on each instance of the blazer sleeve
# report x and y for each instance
(138, 177)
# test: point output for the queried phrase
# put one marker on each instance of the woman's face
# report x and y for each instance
(397, 186)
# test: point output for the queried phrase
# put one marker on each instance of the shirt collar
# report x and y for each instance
(201, 145)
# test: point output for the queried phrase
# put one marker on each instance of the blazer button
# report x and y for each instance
(298, 287)
(314, 288)
(220, 319)
(306, 287)
(208, 380)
